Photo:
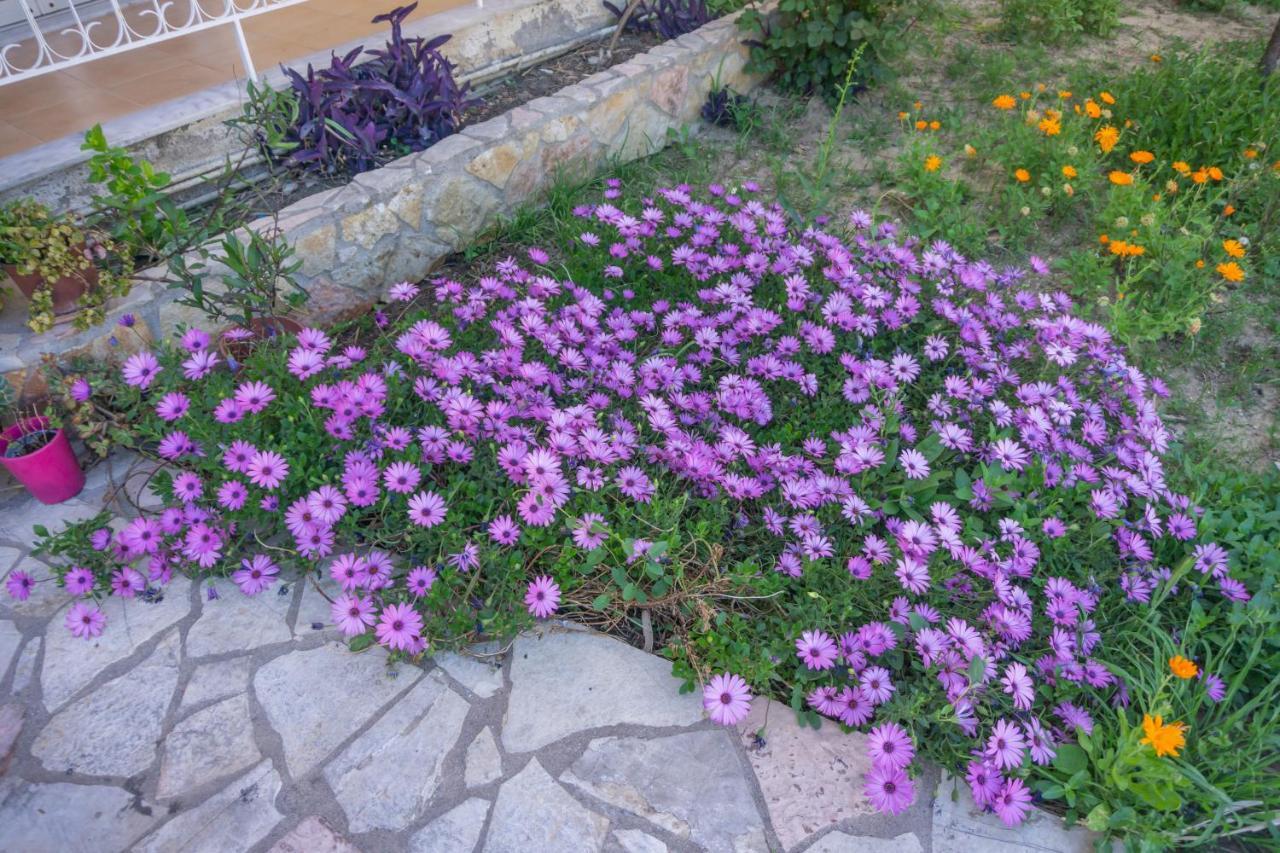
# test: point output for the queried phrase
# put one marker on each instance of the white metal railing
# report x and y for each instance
(60, 33)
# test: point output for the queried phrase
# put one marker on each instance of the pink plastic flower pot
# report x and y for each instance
(51, 473)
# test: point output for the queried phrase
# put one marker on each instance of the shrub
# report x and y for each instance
(354, 115)
(1058, 21)
(883, 482)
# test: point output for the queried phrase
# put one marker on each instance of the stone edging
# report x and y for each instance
(398, 222)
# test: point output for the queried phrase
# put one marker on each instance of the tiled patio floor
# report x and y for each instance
(54, 105)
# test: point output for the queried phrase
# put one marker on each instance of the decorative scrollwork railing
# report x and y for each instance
(79, 39)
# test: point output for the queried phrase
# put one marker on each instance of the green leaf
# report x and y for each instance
(360, 643)
(40, 530)
(1071, 759)
(600, 602)
(977, 669)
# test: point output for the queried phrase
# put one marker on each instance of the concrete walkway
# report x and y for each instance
(204, 720)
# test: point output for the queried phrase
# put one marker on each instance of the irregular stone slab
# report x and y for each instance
(314, 608)
(959, 826)
(534, 813)
(65, 818)
(216, 680)
(689, 784)
(297, 689)
(8, 560)
(481, 678)
(19, 519)
(313, 835)
(842, 842)
(114, 730)
(10, 725)
(635, 841)
(213, 742)
(235, 818)
(46, 596)
(416, 732)
(612, 684)
(10, 640)
(70, 662)
(484, 764)
(810, 779)
(456, 831)
(26, 668)
(235, 622)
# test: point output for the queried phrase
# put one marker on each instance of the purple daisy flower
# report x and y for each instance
(399, 626)
(816, 649)
(890, 746)
(727, 699)
(889, 789)
(255, 574)
(543, 597)
(85, 620)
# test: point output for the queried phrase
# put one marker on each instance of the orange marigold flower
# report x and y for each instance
(1135, 250)
(1155, 197)
(1004, 102)
(902, 115)
(1250, 153)
(1107, 98)
(1092, 109)
(1064, 94)
(1022, 175)
(919, 105)
(1155, 57)
(935, 125)
(1165, 739)
(1215, 173)
(1069, 171)
(970, 151)
(1103, 239)
(1182, 667)
(932, 163)
(1200, 264)
(1050, 126)
(1120, 179)
(1142, 157)
(1107, 137)
(1199, 176)
(1182, 167)
(1231, 271)
(1228, 210)
(1234, 248)
(1026, 96)
(921, 124)
(1119, 247)
(1040, 87)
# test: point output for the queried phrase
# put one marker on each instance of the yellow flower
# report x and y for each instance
(1004, 102)
(1022, 175)
(1231, 271)
(935, 125)
(1165, 739)
(1182, 167)
(1234, 248)
(1069, 171)
(1120, 179)
(1107, 98)
(1092, 109)
(1142, 157)
(932, 163)
(1183, 668)
(1215, 173)
(1050, 126)
(1107, 137)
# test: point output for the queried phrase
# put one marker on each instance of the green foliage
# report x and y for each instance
(259, 281)
(808, 44)
(267, 118)
(1057, 21)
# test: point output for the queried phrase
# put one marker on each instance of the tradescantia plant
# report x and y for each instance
(370, 106)
(668, 18)
(902, 490)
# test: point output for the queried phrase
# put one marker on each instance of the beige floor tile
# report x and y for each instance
(60, 119)
(14, 139)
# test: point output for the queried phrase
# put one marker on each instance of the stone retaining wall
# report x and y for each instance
(397, 223)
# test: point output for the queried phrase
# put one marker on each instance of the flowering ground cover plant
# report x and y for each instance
(904, 491)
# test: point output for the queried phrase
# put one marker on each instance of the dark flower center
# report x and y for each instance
(725, 698)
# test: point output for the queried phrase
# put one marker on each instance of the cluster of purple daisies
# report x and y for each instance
(701, 330)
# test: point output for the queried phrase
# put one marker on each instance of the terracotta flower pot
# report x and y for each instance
(50, 472)
(66, 290)
(262, 329)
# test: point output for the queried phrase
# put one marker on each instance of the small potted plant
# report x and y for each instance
(37, 453)
(55, 261)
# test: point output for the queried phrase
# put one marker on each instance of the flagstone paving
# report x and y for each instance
(202, 720)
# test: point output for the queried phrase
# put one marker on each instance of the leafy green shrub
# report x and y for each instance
(1057, 21)
(808, 44)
